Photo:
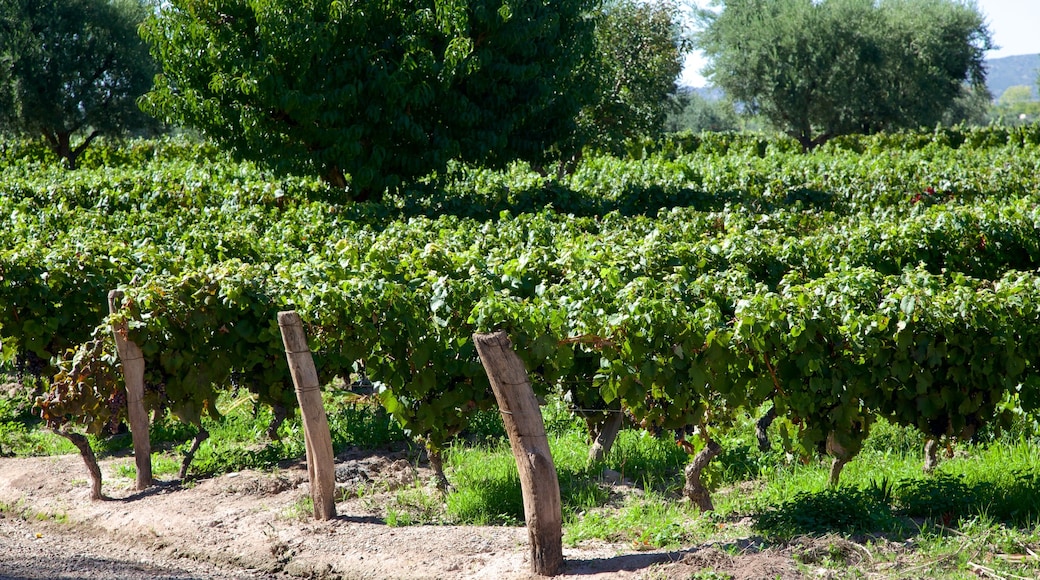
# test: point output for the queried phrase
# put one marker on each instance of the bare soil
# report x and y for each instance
(255, 525)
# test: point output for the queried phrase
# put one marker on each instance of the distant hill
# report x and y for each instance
(1010, 71)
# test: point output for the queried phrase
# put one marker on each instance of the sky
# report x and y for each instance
(1014, 24)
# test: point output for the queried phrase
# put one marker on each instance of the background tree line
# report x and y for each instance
(372, 94)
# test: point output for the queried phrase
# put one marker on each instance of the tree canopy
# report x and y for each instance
(639, 56)
(371, 93)
(72, 69)
(820, 68)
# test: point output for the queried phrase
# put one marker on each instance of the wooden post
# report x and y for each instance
(523, 423)
(321, 467)
(133, 375)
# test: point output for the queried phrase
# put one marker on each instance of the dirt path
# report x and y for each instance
(250, 525)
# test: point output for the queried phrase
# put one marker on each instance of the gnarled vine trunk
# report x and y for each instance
(280, 413)
(761, 427)
(437, 465)
(694, 488)
(93, 470)
(201, 436)
(931, 455)
(841, 457)
(603, 435)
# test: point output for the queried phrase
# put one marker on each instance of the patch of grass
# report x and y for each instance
(162, 465)
(652, 462)
(650, 521)
(227, 456)
(237, 439)
(710, 575)
(35, 443)
(845, 510)
(301, 509)
(885, 491)
(23, 512)
(487, 486)
(947, 553)
(889, 439)
(485, 427)
(21, 432)
(415, 505)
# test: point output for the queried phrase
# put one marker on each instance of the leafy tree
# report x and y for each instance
(820, 68)
(72, 69)
(971, 107)
(1017, 106)
(696, 113)
(372, 93)
(639, 56)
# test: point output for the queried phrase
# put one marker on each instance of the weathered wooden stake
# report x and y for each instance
(523, 423)
(321, 466)
(133, 375)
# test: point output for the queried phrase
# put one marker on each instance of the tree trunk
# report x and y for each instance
(334, 177)
(523, 423)
(931, 455)
(694, 488)
(604, 436)
(201, 436)
(61, 144)
(93, 470)
(841, 457)
(279, 416)
(437, 465)
(761, 426)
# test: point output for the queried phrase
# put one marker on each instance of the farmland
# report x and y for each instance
(884, 284)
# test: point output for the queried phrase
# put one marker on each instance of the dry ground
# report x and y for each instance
(250, 525)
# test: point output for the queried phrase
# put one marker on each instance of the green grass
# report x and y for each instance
(21, 511)
(21, 432)
(487, 486)
(649, 521)
(163, 465)
(238, 439)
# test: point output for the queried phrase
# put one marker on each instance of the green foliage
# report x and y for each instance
(710, 277)
(816, 70)
(371, 94)
(845, 510)
(695, 113)
(646, 522)
(72, 69)
(486, 486)
(1016, 106)
(639, 55)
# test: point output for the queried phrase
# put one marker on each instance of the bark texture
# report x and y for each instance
(694, 488)
(523, 422)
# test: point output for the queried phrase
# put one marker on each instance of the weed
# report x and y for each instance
(161, 465)
(650, 521)
(301, 509)
(22, 511)
(415, 505)
(943, 496)
(846, 510)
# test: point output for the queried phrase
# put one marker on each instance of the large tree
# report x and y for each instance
(71, 70)
(638, 59)
(820, 68)
(371, 93)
